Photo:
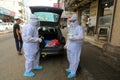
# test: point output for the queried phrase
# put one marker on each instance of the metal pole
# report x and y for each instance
(58, 3)
(111, 26)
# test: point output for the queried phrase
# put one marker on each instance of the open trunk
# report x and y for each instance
(50, 35)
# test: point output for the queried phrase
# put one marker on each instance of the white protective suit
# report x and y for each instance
(73, 44)
(31, 43)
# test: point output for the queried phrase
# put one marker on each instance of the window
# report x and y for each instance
(47, 16)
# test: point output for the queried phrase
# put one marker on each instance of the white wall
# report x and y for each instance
(11, 5)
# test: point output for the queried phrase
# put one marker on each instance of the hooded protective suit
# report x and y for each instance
(74, 43)
(31, 43)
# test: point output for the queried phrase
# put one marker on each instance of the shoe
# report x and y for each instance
(29, 74)
(71, 76)
(19, 53)
(68, 70)
(38, 67)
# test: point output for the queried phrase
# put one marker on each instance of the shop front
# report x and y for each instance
(105, 19)
(104, 16)
(84, 13)
(1, 14)
(96, 16)
(6, 15)
(87, 13)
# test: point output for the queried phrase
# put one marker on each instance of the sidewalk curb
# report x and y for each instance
(94, 42)
(4, 32)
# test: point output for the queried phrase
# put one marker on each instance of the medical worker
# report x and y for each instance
(31, 46)
(73, 45)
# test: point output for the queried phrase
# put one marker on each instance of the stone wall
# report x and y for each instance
(115, 39)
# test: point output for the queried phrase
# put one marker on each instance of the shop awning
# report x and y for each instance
(6, 12)
(73, 4)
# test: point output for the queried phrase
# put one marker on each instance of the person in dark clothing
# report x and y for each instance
(17, 36)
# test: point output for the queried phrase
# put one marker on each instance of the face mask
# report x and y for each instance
(71, 24)
(34, 22)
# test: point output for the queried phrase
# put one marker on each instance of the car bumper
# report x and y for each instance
(53, 50)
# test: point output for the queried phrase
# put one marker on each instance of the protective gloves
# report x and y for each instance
(40, 40)
(69, 36)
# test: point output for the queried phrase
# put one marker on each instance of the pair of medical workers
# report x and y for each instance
(31, 43)
(73, 45)
(31, 46)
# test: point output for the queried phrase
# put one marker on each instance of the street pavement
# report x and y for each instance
(12, 65)
(6, 31)
(92, 62)
(91, 66)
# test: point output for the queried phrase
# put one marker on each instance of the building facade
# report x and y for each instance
(100, 18)
(9, 9)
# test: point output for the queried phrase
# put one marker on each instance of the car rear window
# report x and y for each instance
(47, 16)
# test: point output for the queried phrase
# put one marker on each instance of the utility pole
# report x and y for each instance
(58, 3)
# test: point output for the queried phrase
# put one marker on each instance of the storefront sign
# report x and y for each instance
(1, 12)
(12, 13)
(6, 12)
(57, 5)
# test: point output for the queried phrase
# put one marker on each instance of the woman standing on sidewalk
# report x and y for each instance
(17, 36)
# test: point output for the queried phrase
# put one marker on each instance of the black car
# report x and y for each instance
(49, 17)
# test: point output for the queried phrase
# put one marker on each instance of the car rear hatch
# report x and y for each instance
(49, 18)
(47, 15)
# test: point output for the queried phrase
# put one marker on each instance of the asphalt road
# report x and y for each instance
(92, 68)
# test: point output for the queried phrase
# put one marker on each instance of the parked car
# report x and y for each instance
(49, 29)
(10, 24)
(6, 25)
(3, 26)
